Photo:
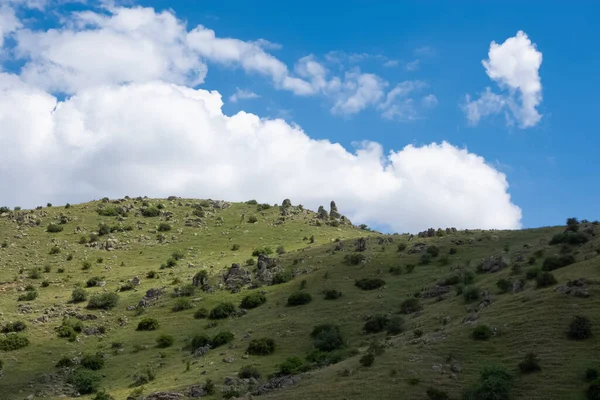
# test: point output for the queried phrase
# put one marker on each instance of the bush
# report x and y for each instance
(299, 298)
(235, 247)
(103, 301)
(281, 277)
(354, 258)
(395, 325)
(147, 324)
(280, 250)
(150, 211)
(182, 304)
(29, 295)
(504, 285)
(292, 365)
(591, 374)
(222, 311)
(54, 228)
(85, 381)
(410, 306)
(367, 360)
(17, 326)
(327, 337)
(593, 391)
(425, 259)
(482, 332)
(545, 279)
(103, 396)
(262, 250)
(261, 347)
(470, 294)
(93, 281)
(332, 294)
(253, 300)
(54, 250)
(376, 324)
(248, 371)
(164, 227)
(221, 338)
(13, 342)
(66, 332)
(530, 364)
(410, 268)
(164, 341)
(201, 313)
(65, 362)
(580, 328)
(436, 394)
(78, 295)
(396, 270)
(401, 247)
(495, 384)
(252, 202)
(92, 362)
(433, 251)
(569, 237)
(532, 273)
(151, 275)
(552, 263)
(184, 291)
(198, 341)
(369, 283)
(252, 219)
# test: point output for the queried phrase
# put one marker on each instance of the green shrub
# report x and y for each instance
(178, 255)
(103, 396)
(332, 294)
(201, 313)
(103, 301)
(530, 364)
(369, 283)
(425, 259)
(182, 304)
(222, 311)
(199, 340)
(504, 285)
(252, 202)
(376, 324)
(221, 338)
(280, 250)
(164, 227)
(150, 211)
(92, 362)
(66, 332)
(249, 371)
(252, 219)
(410, 306)
(552, 263)
(299, 298)
(396, 270)
(591, 374)
(354, 258)
(580, 328)
(401, 247)
(17, 326)
(291, 366)
(93, 281)
(54, 228)
(29, 295)
(470, 294)
(395, 325)
(235, 247)
(410, 268)
(13, 341)
(545, 279)
(593, 391)
(54, 250)
(482, 332)
(253, 300)
(532, 273)
(147, 324)
(367, 360)
(262, 250)
(78, 295)
(281, 277)
(184, 291)
(569, 237)
(327, 337)
(65, 362)
(494, 384)
(151, 275)
(436, 394)
(84, 381)
(433, 251)
(261, 347)
(35, 273)
(164, 341)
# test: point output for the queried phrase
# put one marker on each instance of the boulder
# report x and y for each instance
(164, 396)
(236, 277)
(276, 383)
(493, 264)
(333, 211)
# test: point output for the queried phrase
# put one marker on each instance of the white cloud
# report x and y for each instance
(241, 94)
(429, 101)
(391, 63)
(412, 65)
(160, 139)
(8, 23)
(398, 105)
(514, 65)
(129, 45)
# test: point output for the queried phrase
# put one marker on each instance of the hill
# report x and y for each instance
(182, 296)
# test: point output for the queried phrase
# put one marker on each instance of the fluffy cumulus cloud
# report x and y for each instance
(242, 94)
(161, 139)
(514, 65)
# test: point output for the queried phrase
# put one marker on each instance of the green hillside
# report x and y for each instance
(124, 295)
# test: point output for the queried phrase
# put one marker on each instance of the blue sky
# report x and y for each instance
(550, 166)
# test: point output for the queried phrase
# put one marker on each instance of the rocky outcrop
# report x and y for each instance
(576, 288)
(417, 248)
(150, 297)
(236, 278)
(322, 213)
(435, 291)
(492, 264)
(333, 211)
(164, 396)
(277, 383)
(201, 351)
(264, 273)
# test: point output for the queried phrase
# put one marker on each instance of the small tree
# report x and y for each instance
(78, 295)
(164, 341)
(261, 347)
(580, 328)
(147, 324)
(530, 364)
(299, 298)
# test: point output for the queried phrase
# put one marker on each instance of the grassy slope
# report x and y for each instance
(533, 320)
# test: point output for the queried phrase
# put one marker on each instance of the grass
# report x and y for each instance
(534, 320)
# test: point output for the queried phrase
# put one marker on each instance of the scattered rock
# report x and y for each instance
(276, 383)
(236, 278)
(493, 264)
(164, 396)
